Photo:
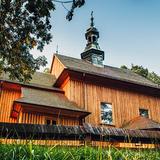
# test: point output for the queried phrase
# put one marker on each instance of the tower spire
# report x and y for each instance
(92, 19)
(57, 49)
(92, 52)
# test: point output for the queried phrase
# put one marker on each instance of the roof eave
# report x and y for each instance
(69, 72)
(31, 85)
(51, 107)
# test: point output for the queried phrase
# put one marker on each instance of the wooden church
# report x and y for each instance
(81, 91)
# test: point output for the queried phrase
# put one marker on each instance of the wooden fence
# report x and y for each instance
(86, 133)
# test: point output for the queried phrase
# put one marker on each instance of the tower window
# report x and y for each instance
(143, 113)
(94, 39)
(97, 59)
(106, 113)
(89, 39)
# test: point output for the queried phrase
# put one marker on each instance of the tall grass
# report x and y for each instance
(32, 152)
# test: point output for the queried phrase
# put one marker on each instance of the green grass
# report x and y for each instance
(31, 152)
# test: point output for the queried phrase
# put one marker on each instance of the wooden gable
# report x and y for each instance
(56, 67)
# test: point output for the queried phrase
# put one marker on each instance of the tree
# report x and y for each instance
(75, 4)
(154, 77)
(144, 72)
(24, 25)
(140, 70)
(124, 67)
(46, 70)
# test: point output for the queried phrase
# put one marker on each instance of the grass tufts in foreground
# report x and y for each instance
(31, 152)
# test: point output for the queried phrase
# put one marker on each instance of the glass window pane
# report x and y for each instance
(106, 113)
(144, 113)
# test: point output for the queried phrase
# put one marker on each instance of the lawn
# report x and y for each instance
(31, 152)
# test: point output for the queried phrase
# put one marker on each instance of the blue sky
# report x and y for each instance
(129, 32)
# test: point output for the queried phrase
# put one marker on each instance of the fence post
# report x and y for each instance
(88, 140)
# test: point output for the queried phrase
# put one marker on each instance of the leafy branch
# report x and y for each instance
(75, 4)
(144, 72)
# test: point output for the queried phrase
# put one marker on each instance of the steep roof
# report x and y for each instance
(142, 123)
(106, 71)
(47, 99)
(39, 79)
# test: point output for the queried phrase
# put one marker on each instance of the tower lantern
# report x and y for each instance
(92, 52)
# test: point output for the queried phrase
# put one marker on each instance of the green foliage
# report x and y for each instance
(75, 4)
(144, 72)
(31, 152)
(124, 67)
(154, 77)
(46, 70)
(140, 70)
(23, 26)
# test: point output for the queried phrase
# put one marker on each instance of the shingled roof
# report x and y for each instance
(142, 123)
(47, 99)
(106, 71)
(39, 79)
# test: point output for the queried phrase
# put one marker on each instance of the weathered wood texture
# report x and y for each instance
(137, 145)
(41, 142)
(78, 143)
(7, 96)
(9, 93)
(125, 103)
(124, 145)
(57, 67)
(29, 118)
(16, 130)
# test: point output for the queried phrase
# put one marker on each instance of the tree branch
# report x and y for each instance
(62, 1)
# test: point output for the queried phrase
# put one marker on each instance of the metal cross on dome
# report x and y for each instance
(92, 19)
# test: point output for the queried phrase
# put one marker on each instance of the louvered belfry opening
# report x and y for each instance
(92, 52)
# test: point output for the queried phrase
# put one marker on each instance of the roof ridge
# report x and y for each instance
(112, 71)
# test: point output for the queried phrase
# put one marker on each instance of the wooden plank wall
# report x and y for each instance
(7, 96)
(41, 119)
(125, 103)
(31, 118)
(57, 67)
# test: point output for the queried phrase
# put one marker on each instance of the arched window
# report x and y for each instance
(89, 39)
(94, 39)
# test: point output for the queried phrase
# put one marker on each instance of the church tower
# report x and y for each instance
(92, 52)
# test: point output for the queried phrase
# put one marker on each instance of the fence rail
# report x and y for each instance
(86, 132)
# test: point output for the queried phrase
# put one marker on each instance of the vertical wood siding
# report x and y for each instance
(40, 119)
(57, 67)
(31, 118)
(125, 103)
(7, 96)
